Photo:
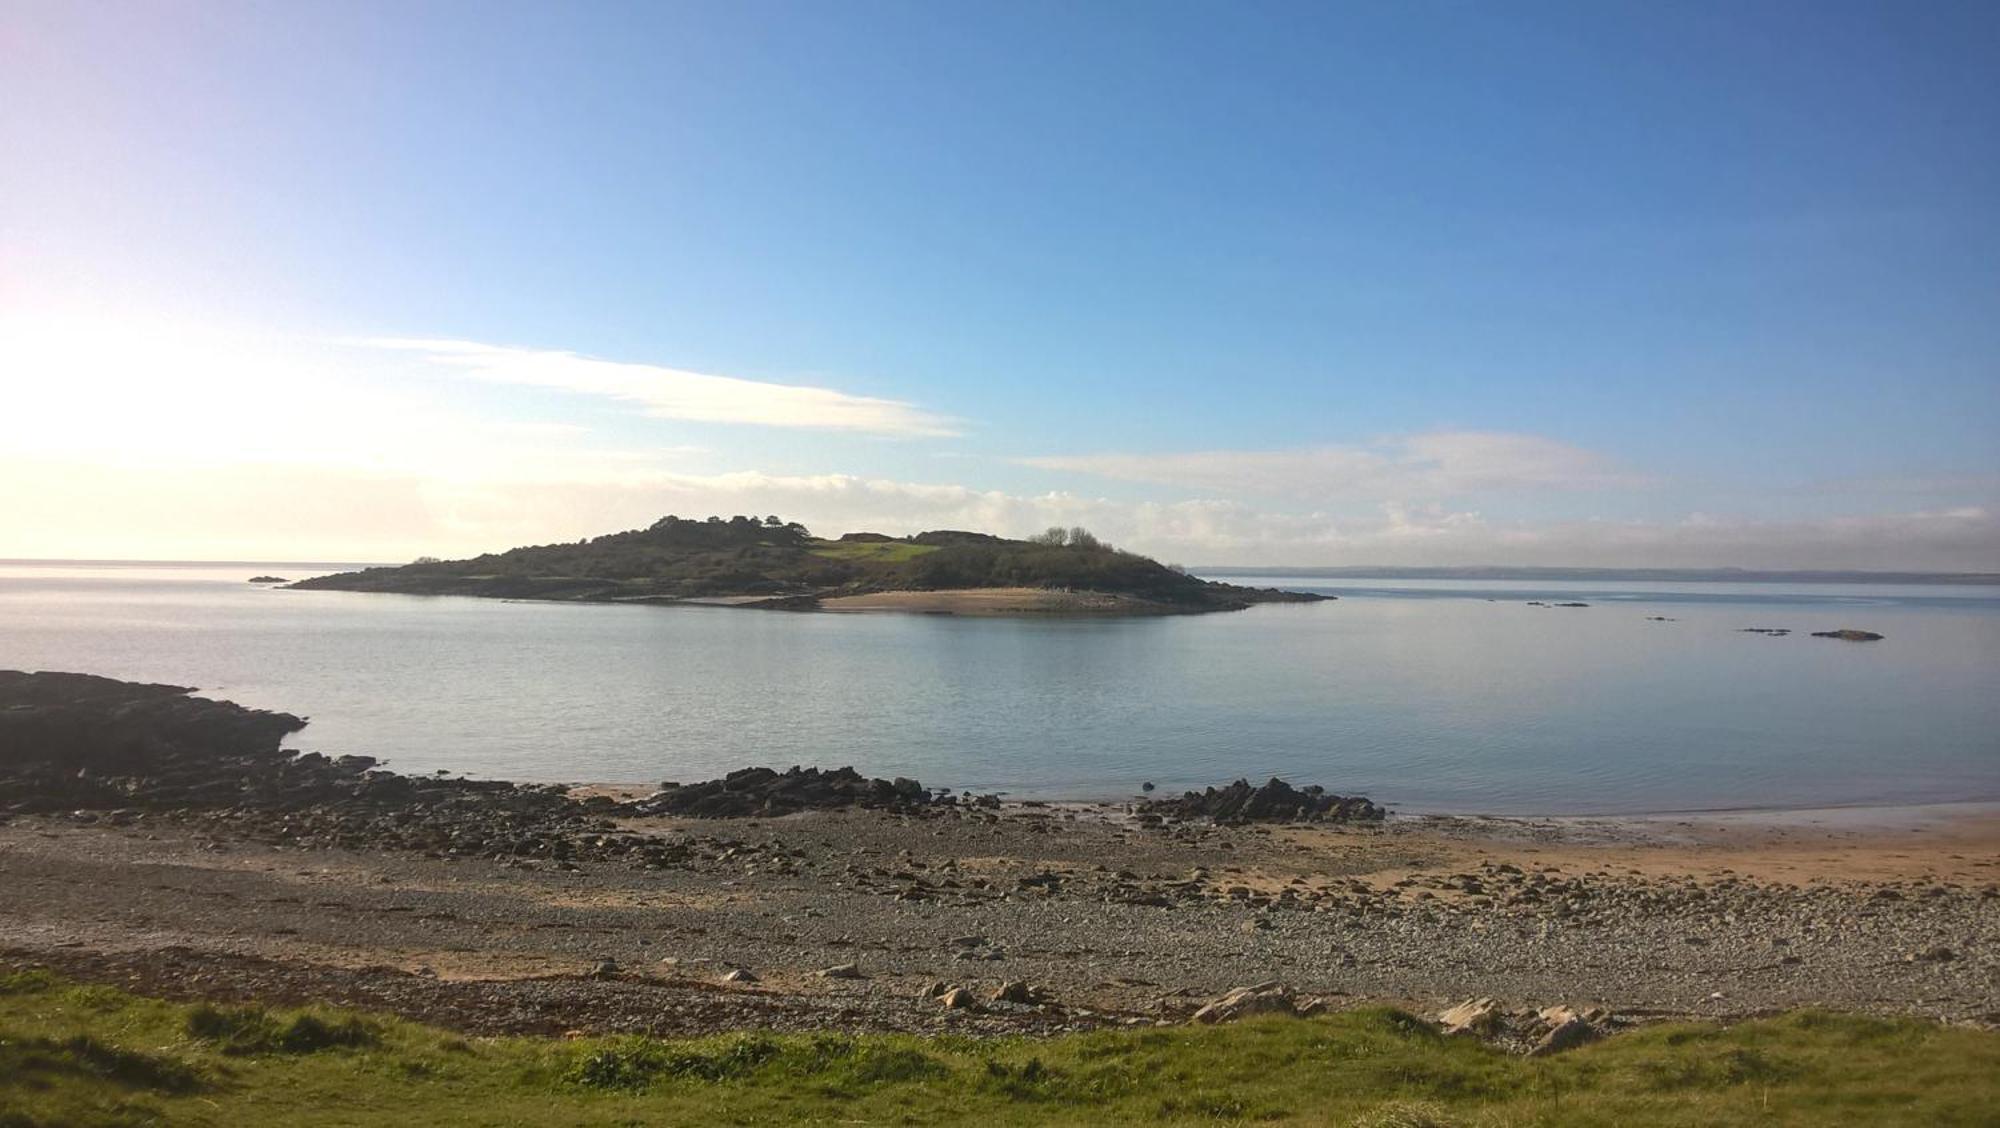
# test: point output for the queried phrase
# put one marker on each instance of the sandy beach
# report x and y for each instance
(997, 601)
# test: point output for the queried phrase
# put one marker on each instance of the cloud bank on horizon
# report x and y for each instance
(275, 448)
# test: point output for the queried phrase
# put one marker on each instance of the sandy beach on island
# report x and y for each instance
(997, 601)
(1110, 919)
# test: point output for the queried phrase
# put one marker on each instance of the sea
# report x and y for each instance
(1425, 695)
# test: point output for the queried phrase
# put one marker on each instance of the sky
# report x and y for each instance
(1700, 284)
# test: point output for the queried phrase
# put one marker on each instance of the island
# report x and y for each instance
(267, 579)
(773, 563)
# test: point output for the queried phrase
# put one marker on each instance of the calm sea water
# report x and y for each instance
(1427, 695)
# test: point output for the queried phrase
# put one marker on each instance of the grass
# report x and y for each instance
(73, 1055)
(883, 552)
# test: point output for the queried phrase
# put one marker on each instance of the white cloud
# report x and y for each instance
(1429, 464)
(298, 512)
(672, 393)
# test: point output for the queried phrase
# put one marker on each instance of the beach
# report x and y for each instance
(1106, 919)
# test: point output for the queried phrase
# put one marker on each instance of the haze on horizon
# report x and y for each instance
(1585, 284)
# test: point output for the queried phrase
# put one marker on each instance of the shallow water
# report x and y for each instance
(1427, 695)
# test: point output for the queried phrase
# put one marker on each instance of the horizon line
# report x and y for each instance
(1356, 571)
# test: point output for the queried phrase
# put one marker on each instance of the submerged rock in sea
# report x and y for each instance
(1849, 635)
(1274, 801)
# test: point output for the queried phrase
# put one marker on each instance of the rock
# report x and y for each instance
(1274, 801)
(958, 998)
(1849, 635)
(1938, 954)
(604, 969)
(268, 580)
(841, 971)
(1479, 1016)
(1567, 1036)
(1014, 991)
(1263, 998)
(766, 791)
(740, 975)
(933, 989)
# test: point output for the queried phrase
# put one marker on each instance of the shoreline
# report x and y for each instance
(195, 857)
(1895, 814)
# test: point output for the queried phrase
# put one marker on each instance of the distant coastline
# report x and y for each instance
(1634, 575)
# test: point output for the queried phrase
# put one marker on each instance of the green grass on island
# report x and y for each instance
(84, 1055)
(887, 552)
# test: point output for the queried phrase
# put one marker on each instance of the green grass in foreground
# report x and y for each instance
(72, 1055)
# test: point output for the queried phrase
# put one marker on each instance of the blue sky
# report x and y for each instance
(1698, 284)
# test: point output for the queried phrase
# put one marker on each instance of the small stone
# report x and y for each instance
(841, 971)
(740, 975)
(605, 969)
(958, 998)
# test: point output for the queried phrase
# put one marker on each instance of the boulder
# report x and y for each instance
(1568, 1035)
(766, 791)
(1273, 801)
(1014, 991)
(1480, 1017)
(1243, 1002)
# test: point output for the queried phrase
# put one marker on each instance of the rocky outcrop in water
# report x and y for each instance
(76, 740)
(1275, 801)
(1849, 635)
(120, 752)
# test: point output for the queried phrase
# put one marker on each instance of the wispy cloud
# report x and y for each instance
(1429, 464)
(673, 393)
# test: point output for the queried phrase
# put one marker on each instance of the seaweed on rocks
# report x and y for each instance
(765, 791)
(1275, 801)
(98, 749)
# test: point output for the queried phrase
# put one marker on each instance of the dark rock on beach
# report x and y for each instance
(764, 791)
(1275, 801)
